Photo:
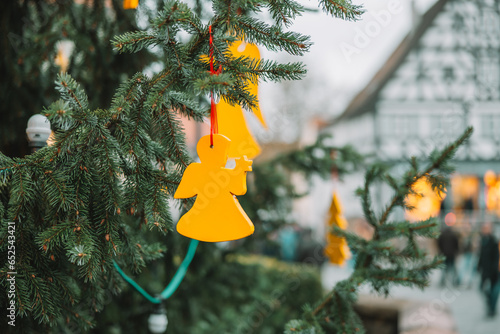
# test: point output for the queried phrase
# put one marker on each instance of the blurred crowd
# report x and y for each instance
(294, 243)
(478, 252)
(471, 256)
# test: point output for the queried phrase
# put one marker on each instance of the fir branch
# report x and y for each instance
(324, 303)
(133, 41)
(71, 92)
(372, 252)
(69, 195)
(370, 176)
(179, 152)
(272, 71)
(285, 11)
(185, 105)
(445, 155)
(161, 89)
(127, 92)
(271, 36)
(58, 194)
(343, 9)
(267, 70)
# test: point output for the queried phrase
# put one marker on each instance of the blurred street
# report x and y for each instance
(466, 304)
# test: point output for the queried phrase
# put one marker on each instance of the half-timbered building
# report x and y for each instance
(444, 76)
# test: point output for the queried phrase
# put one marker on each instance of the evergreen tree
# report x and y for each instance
(380, 263)
(271, 192)
(30, 37)
(101, 192)
(85, 201)
(224, 290)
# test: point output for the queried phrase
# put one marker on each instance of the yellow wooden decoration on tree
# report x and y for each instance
(249, 50)
(216, 214)
(231, 119)
(232, 124)
(336, 249)
(130, 4)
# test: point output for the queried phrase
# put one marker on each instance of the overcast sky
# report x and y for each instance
(345, 55)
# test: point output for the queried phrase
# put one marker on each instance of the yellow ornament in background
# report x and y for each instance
(231, 119)
(61, 60)
(336, 249)
(249, 50)
(216, 214)
(130, 4)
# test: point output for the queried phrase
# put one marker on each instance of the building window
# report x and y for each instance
(490, 125)
(448, 73)
(489, 71)
(491, 24)
(400, 126)
(448, 125)
(488, 74)
(458, 22)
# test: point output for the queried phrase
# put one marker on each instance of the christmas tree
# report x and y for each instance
(380, 263)
(102, 192)
(41, 38)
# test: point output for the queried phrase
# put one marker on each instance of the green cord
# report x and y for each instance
(174, 283)
(136, 286)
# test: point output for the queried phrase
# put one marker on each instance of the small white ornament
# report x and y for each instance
(158, 321)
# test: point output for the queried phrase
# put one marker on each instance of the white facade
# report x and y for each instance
(443, 77)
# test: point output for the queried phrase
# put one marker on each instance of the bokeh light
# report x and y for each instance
(450, 219)
(490, 178)
(426, 201)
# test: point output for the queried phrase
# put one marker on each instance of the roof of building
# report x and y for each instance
(364, 101)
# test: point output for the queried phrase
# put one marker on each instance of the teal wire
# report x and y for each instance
(135, 285)
(181, 272)
(173, 284)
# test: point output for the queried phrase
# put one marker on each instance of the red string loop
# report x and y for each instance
(213, 109)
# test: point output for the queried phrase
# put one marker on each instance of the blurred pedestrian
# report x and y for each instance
(469, 244)
(488, 267)
(309, 250)
(289, 241)
(448, 245)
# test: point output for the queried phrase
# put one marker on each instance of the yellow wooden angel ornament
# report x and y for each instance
(249, 50)
(232, 121)
(216, 214)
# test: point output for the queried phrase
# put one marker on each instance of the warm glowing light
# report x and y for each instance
(465, 192)
(493, 197)
(490, 178)
(492, 191)
(62, 60)
(450, 219)
(426, 201)
(464, 186)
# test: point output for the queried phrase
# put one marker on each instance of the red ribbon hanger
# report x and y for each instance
(214, 128)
